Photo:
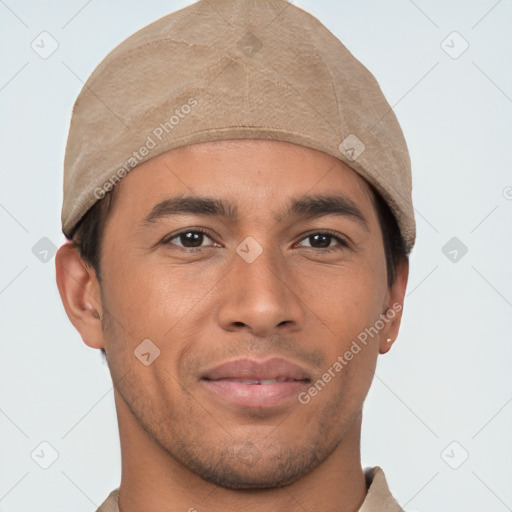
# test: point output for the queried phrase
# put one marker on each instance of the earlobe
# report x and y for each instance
(385, 345)
(80, 294)
(394, 310)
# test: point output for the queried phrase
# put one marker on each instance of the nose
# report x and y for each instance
(261, 297)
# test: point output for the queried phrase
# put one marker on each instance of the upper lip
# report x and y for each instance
(251, 369)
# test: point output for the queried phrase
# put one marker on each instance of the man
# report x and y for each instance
(237, 196)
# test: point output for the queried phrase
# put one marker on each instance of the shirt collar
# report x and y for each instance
(378, 498)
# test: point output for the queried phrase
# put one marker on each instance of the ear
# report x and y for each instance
(80, 294)
(394, 303)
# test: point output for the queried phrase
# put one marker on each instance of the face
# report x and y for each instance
(248, 303)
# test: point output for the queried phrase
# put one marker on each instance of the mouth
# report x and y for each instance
(254, 371)
(249, 383)
(261, 381)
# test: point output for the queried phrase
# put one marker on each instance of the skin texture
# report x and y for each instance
(182, 446)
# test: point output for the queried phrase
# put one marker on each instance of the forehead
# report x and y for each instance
(251, 173)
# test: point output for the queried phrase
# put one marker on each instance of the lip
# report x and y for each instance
(240, 382)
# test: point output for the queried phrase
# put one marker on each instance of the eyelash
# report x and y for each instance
(342, 243)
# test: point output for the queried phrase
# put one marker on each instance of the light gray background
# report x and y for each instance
(447, 379)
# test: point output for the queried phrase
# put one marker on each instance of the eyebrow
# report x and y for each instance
(306, 207)
(314, 206)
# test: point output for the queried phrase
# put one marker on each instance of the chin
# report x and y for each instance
(248, 468)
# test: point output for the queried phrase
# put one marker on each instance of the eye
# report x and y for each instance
(189, 239)
(195, 238)
(323, 239)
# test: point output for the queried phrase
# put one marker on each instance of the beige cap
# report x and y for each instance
(232, 69)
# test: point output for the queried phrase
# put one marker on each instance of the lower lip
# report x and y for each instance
(256, 395)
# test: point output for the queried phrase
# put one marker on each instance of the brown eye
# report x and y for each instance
(191, 239)
(323, 240)
(320, 241)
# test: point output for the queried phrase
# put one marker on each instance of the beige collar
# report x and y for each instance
(378, 498)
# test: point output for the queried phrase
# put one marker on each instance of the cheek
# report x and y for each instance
(149, 298)
(349, 298)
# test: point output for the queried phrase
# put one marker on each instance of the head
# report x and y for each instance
(316, 280)
(244, 223)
